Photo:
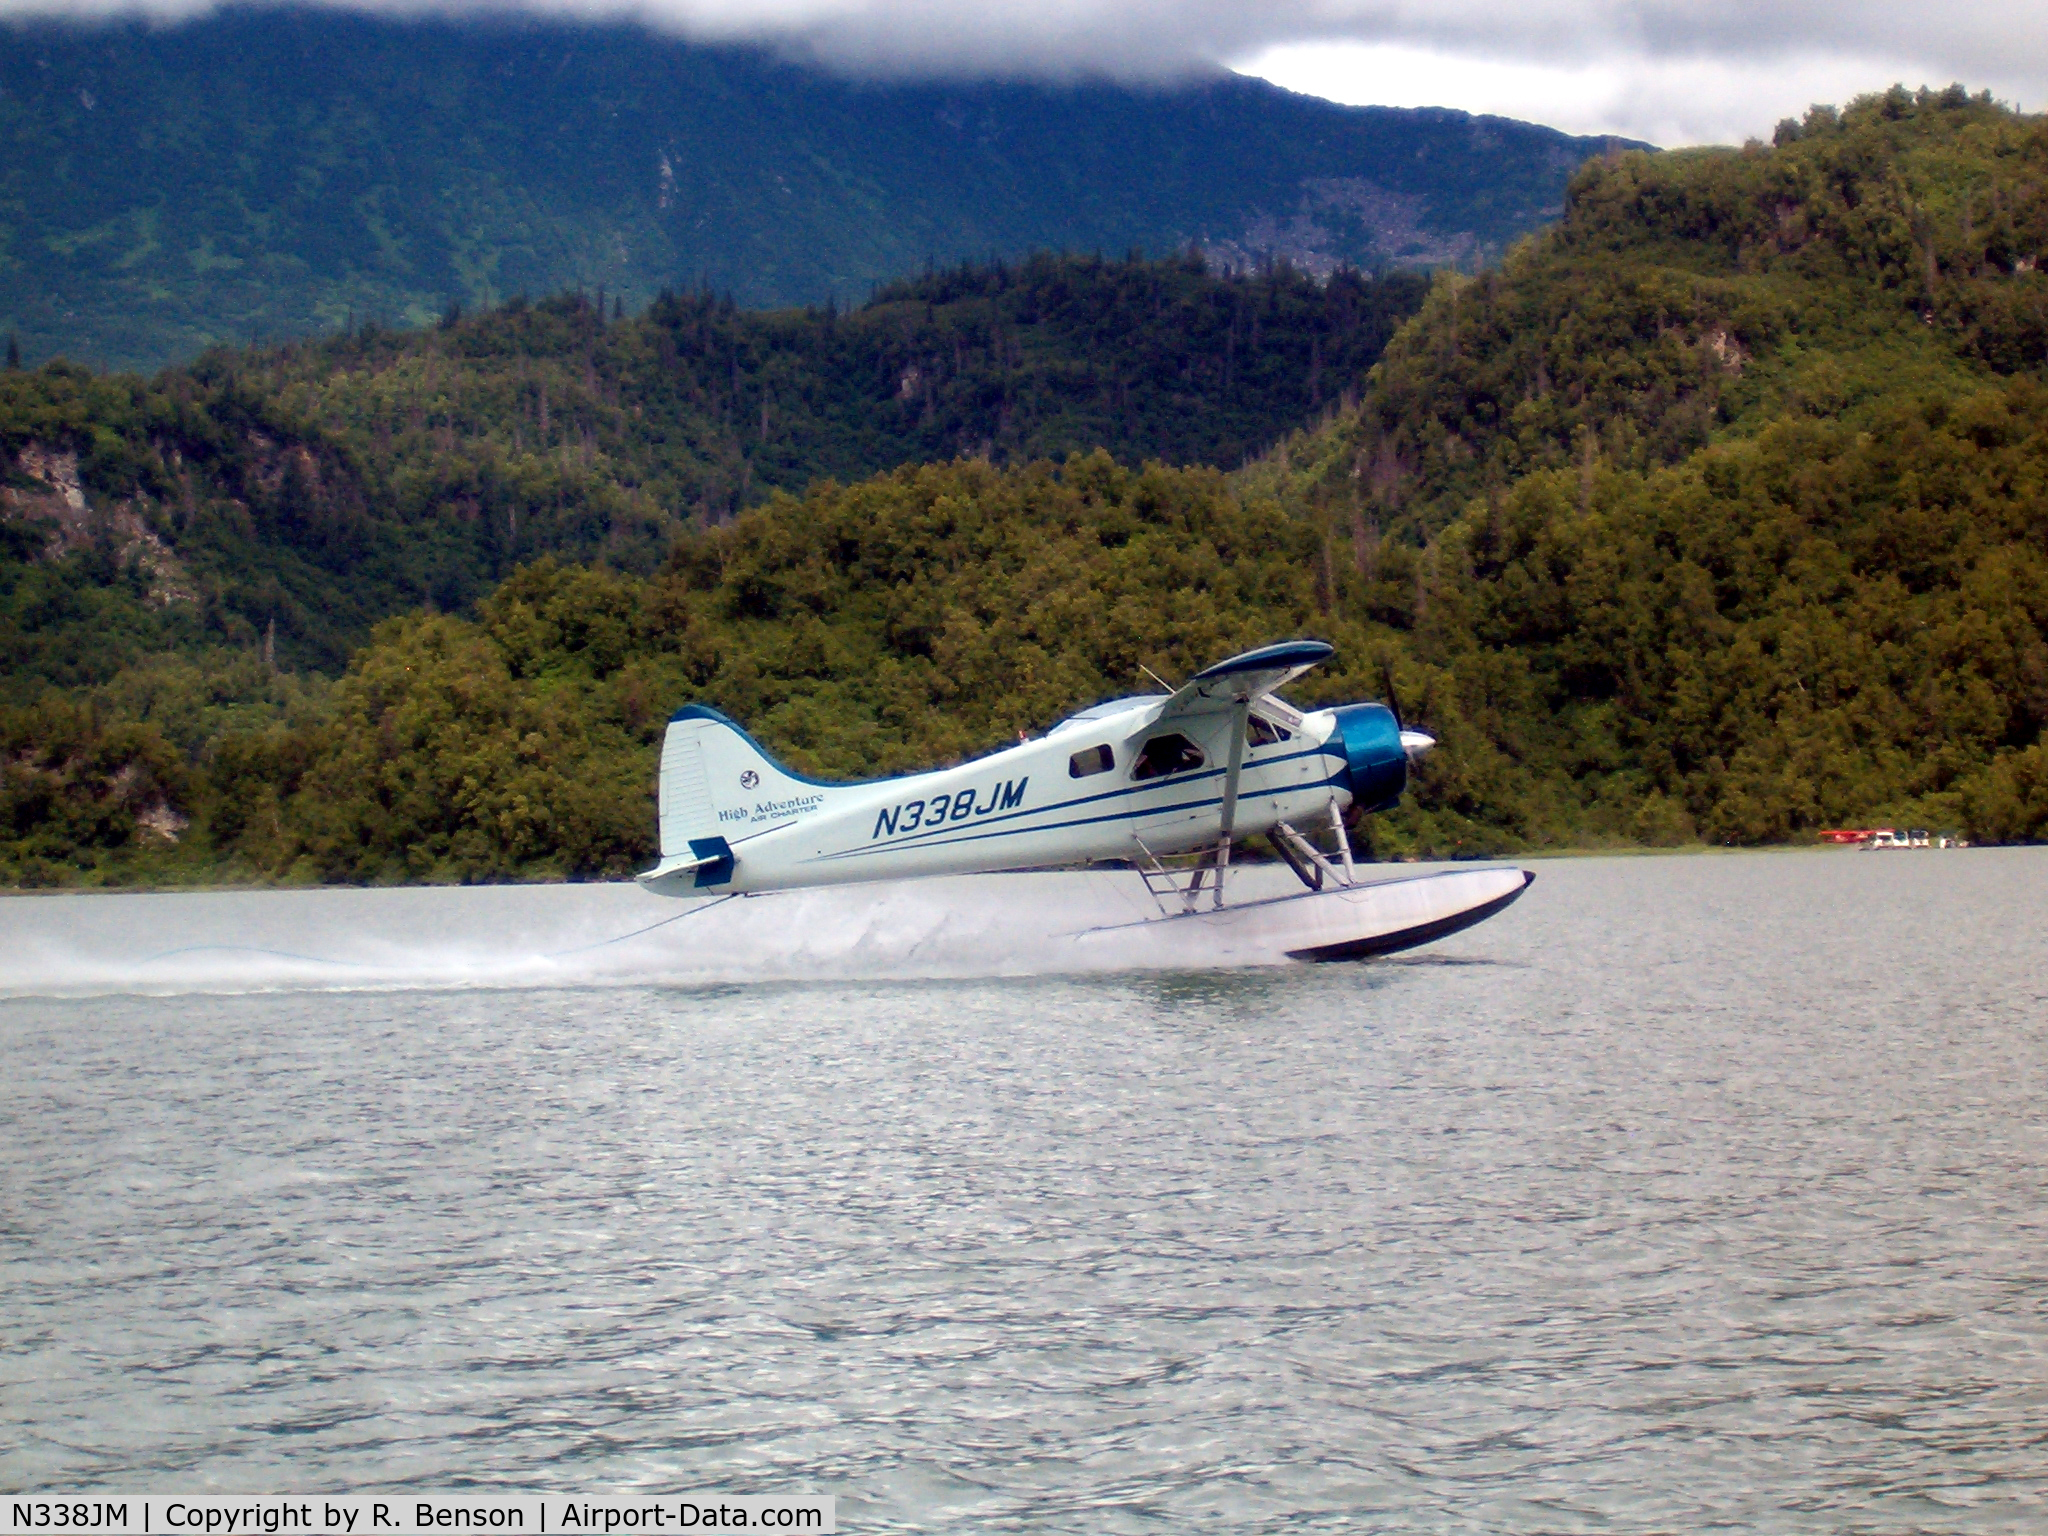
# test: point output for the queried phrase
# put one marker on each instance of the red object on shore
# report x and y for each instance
(1851, 834)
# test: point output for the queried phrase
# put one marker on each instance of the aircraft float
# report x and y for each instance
(1169, 784)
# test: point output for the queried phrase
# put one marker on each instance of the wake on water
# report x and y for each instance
(596, 936)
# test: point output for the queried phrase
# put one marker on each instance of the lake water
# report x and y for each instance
(1688, 1193)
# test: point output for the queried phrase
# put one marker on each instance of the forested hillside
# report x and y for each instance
(1719, 513)
(1885, 253)
(258, 173)
(288, 498)
(921, 616)
(1734, 487)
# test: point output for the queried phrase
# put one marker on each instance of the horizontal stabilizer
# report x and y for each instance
(708, 863)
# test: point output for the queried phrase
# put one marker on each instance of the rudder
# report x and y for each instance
(717, 782)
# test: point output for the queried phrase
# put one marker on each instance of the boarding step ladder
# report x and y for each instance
(1178, 879)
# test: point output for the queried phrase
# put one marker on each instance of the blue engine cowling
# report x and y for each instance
(1373, 757)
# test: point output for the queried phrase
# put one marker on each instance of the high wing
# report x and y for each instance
(1229, 687)
(1230, 684)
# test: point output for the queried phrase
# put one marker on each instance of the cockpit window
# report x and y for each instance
(1094, 760)
(1167, 754)
(1265, 734)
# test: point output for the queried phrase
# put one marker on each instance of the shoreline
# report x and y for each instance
(202, 888)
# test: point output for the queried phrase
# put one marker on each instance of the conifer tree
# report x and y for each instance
(13, 353)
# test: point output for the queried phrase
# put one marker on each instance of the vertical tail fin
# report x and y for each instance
(687, 809)
(716, 785)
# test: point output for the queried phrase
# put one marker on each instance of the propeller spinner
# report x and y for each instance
(1414, 744)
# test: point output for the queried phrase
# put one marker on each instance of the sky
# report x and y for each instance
(1668, 71)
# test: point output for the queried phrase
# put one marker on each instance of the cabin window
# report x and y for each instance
(1265, 734)
(1167, 754)
(1094, 760)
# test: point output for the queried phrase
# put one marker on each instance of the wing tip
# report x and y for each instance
(1267, 658)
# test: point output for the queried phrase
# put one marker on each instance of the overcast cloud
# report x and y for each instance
(1673, 71)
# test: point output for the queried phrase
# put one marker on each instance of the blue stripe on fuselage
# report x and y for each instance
(970, 835)
(944, 834)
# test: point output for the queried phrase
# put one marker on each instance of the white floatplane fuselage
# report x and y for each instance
(1101, 784)
(1137, 779)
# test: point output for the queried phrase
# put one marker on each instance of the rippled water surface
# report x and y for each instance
(1689, 1193)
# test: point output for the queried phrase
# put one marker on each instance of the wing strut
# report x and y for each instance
(1240, 723)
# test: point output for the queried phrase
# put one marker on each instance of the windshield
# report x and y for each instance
(1167, 754)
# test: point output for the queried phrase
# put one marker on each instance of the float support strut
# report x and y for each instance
(1309, 866)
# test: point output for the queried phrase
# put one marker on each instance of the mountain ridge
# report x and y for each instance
(246, 175)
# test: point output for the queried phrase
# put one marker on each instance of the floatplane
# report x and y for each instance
(1169, 784)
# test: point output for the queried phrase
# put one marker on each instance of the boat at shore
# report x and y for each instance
(1890, 837)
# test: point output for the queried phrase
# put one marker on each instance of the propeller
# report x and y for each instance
(1414, 743)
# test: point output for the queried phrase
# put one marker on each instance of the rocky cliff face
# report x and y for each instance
(1348, 221)
(44, 493)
